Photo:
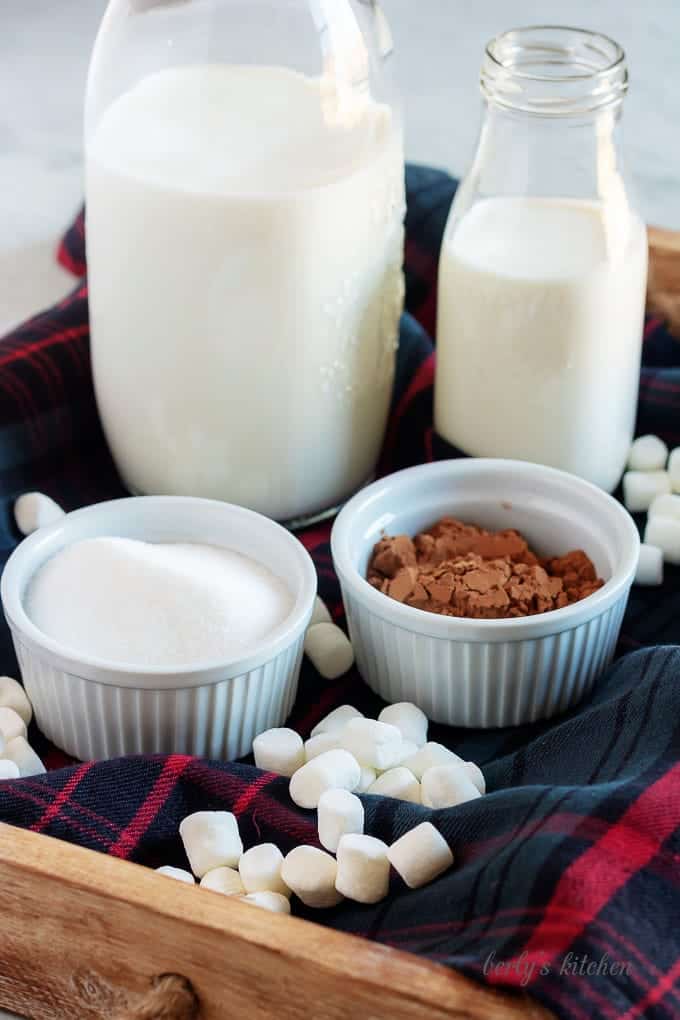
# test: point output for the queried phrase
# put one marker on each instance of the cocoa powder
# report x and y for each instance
(457, 569)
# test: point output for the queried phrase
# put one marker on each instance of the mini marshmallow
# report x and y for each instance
(320, 613)
(35, 510)
(321, 743)
(336, 720)
(12, 695)
(674, 469)
(666, 505)
(340, 813)
(363, 869)
(223, 880)
(372, 743)
(649, 572)
(664, 533)
(368, 777)
(329, 649)
(399, 783)
(447, 786)
(11, 724)
(8, 769)
(640, 488)
(260, 870)
(279, 750)
(648, 453)
(406, 751)
(179, 874)
(420, 856)
(311, 874)
(211, 840)
(333, 770)
(409, 720)
(22, 754)
(429, 756)
(476, 775)
(274, 902)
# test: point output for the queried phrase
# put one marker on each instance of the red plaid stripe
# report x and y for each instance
(575, 849)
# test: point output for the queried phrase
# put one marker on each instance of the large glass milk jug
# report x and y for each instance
(245, 204)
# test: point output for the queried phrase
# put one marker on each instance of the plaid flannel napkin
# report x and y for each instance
(567, 876)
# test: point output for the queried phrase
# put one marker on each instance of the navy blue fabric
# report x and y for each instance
(572, 858)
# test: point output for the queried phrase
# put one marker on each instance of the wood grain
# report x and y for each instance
(663, 295)
(84, 936)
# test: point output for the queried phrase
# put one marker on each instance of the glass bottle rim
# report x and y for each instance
(554, 70)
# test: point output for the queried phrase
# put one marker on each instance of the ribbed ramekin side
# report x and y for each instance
(483, 683)
(90, 720)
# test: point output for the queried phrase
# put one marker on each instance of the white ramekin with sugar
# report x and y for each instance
(96, 709)
(486, 673)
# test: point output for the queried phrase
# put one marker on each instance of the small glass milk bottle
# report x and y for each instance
(245, 204)
(543, 269)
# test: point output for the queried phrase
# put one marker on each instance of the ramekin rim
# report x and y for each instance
(191, 674)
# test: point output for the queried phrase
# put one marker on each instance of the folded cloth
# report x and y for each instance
(566, 880)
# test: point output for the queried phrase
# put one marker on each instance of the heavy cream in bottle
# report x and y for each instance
(543, 268)
(540, 334)
(245, 270)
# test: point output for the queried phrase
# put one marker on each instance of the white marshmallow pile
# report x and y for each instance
(213, 845)
(35, 510)
(346, 754)
(389, 757)
(326, 645)
(262, 876)
(214, 848)
(17, 757)
(652, 485)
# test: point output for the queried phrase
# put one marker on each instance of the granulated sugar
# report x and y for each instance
(164, 605)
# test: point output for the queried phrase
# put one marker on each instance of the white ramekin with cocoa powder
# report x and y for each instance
(486, 672)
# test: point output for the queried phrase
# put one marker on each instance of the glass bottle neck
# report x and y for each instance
(554, 72)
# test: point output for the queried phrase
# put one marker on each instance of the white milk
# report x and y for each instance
(539, 337)
(245, 246)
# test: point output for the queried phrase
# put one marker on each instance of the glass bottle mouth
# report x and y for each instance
(554, 71)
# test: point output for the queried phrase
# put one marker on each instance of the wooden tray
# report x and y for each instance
(85, 936)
